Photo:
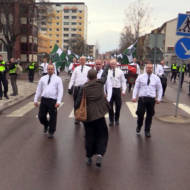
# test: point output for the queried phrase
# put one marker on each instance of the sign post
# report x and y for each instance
(182, 47)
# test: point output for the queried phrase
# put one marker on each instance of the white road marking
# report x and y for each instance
(132, 108)
(22, 110)
(184, 107)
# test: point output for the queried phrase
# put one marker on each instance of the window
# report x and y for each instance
(74, 11)
(80, 29)
(57, 11)
(66, 41)
(80, 17)
(57, 17)
(66, 35)
(66, 11)
(58, 5)
(66, 47)
(50, 29)
(2, 47)
(57, 29)
(57, 35)
(50, 46)
(73, 29)
(74, 17)
(43, 29)
(73, 23)
(73, 35)
(66, 29)
(50, 35)
(57, 41)
(57, 23)
(80, 11)
(80, 23)
(66, 17)
(66, 23)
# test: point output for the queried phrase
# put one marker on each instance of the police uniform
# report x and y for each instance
(174, 71)
(31, 71)
(3, 80)
(13, 77)
(118, 84)
(50, 89)
(147, 88)
(182, 68)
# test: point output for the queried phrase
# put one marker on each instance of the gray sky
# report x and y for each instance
(106, 18)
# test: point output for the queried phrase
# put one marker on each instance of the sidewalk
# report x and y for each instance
(25, 90)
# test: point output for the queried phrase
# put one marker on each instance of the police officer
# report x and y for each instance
(13, 76)
(148, 89)
(118, 88)
(182, 68)
(31, 71)
(3, 80)
(78, 78)
(174, 71)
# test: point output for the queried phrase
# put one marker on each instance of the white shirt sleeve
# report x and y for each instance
(72, 80)
(136, 88)
(138, 70)
(159, 90)
(123, 83)
(38, 91)
(108, 86)
(60, 91)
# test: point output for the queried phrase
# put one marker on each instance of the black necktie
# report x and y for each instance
(113, 72)
(49, 80)
(81, 68)
(148, 81)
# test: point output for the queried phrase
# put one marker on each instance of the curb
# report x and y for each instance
(5, 107)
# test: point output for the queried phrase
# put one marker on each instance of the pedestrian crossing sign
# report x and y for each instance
(183, 25)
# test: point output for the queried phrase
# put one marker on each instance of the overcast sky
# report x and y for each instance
(106, 18)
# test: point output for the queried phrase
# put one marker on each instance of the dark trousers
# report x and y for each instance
(145, 104)
(174, 75)
(182, 79)
(116, 98)
(13, 84)
(75, 92)
(31, 75)
(96, 137)
(4, 82)
(48, 106)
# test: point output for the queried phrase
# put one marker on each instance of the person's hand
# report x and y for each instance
(70, 91)
(157, 101)
(134, 100)
(123, 94)
(36, 104)
(57, 105)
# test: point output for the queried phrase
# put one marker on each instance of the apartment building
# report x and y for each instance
(69, 20)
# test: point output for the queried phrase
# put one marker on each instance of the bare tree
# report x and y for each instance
(78, 45)
(13, 13)
(126, 38)
(138, 17)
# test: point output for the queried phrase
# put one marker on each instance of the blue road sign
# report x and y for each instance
(183, 25)
(182, 48)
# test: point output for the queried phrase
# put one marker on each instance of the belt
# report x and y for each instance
(147, 97)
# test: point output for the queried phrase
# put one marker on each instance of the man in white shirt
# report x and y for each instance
(118, 80)
(108, 84)
(161, 75)
(50, 89)
(78, 78)
(44, 66)
(148, 89)
(72, 66)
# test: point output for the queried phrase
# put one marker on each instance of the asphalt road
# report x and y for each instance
(31, 161)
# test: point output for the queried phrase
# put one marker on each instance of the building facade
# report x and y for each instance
(69, 20)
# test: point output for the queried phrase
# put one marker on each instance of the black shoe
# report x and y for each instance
(111, 124)
(50, 136)
(6, 97)
(89, 161)
(138, 131)
(45, 129)
(117, 123)
(147, 134)
(99, 160)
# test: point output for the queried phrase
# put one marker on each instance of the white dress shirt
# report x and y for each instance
(159, 70)
(79, 77)
(138, 68)
(107, 86)
(119, 80)
(44, 66)
(142, 89)
(52, 90)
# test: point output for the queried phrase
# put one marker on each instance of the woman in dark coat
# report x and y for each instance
(96, 132)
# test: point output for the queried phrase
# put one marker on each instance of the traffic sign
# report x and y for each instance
(182, 48)
(183, 25)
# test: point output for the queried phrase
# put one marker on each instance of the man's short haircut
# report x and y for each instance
(92, 74)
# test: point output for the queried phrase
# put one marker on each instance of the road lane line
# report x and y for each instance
(22, 110)
(132, 108)
(184, 107)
